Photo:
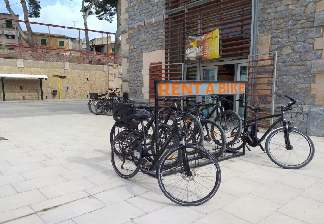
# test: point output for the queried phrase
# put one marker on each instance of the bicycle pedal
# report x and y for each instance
(248, 148)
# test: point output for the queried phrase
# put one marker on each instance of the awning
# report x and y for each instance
(23, 76)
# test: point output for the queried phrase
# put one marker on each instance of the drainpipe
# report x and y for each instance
(254, 28)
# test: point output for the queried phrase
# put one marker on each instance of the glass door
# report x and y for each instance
(242, 75)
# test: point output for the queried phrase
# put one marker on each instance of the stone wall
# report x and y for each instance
(71, 81)
(143, 32)
(294, 29)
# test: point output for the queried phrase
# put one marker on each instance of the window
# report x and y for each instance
(9, 23)
(43, 42)
(61, 43)
(10, 36)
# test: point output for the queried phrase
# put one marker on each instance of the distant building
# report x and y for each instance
(8, 30)
(55, 41)
(102, 45)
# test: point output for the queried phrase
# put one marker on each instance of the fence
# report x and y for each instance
(55, 46)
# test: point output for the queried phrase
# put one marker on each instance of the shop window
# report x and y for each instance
(9, 23)
(61, 43)
(44, 42)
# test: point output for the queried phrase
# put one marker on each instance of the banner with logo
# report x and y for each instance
(205, 47)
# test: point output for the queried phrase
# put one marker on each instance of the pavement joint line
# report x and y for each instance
(50, 208)
(293, 218)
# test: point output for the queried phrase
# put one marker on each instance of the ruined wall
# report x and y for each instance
(143, 32)
(294, 28)
(72, 81)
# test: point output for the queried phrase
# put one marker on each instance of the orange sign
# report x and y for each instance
(199, 88)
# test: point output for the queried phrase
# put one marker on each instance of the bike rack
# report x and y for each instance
(177, 89)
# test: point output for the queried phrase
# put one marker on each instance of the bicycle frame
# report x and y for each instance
(254, 140)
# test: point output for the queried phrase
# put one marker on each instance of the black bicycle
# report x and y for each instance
(187, 174)
(285, 145)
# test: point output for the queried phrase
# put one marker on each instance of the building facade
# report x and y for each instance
(283, 37)
(8, 31)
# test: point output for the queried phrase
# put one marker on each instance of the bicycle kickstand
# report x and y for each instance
(262, 148)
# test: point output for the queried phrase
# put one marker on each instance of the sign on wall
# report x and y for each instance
(199, 88)
(205, 46)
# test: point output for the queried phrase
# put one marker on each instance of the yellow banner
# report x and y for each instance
(205, 47)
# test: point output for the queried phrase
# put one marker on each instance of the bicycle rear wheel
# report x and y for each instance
(214, 137)
(188, 175)
(191, 129)
(298, 156)
(126, 153)
(231, 124)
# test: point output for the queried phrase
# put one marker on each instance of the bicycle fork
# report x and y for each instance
(286, 126)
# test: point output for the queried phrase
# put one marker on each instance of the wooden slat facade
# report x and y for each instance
(190, 18)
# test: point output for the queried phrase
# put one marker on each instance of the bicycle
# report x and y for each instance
(285, 136)
(229, 120)
(181, 169)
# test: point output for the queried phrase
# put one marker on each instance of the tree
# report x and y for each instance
(31, 9)
(102, 9)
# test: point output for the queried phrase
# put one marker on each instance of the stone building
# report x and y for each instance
(288, 32)
(8, 30)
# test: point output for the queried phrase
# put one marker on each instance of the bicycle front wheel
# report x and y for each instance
(297, 156)
(188, 175)
(126, 153)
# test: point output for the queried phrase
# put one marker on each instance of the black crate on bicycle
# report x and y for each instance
(122, 114)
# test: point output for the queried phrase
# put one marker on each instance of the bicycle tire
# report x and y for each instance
(191, 129)
(131, 152)
(269, 149)
(231, 123)
(213, 137)
(211, 163)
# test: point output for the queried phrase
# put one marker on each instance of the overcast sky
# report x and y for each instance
(62, 12)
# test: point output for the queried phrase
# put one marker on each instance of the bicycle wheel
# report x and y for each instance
(214, 137)
(231, 123)
(191, 129)
(301, 153)
(126, 154)
(188, 180)
(115, 130)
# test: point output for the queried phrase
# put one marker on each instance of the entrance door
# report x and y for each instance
(209, 73)
(242, 75)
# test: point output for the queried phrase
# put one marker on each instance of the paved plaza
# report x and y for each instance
(55, 168)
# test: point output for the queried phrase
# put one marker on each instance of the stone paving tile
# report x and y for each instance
(149, 202)
(14, 214)
(305, 209)
(8, 179)
(120, 194)
(251, 208)
(316, 192)
(61, 200)
(222, 217)
(33, 219)
(20, 200)
(38, 183)
(172, 215)
(116, 213)
(220, 200)
(70, 210)
(65, 188)
(7, 190)
(280, 218)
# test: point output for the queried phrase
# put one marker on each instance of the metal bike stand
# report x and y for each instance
(226, 155)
